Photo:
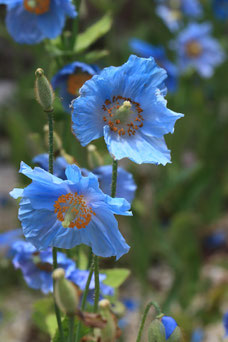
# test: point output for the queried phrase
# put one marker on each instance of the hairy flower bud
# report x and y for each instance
(65, 293)
(94, 158)
(43, 91)
(164, 328)
(156, 332)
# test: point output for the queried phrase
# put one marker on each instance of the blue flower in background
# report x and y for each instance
(60, 164)
(66, 213)
(169, 325)
(126, 105)
(8, 238)
(221, 9)
(225, 323)
(197, 335)
(215, 240)
(70, 79)
(79, 277)
(36, 266)
(31, 21)
(146, 50)
(198, 50)
(172, 12)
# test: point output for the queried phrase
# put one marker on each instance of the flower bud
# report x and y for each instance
(65, 293)
(44, 91)
(156, 332)
(109, 332)
(94, 158)
(172, 331)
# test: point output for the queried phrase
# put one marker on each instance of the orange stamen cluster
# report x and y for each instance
(194, 49)
(41, 6)
(76, 81)
(116, 124)
(80, 211)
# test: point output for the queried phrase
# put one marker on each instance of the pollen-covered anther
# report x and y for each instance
(73, 211)
(123, 115)
(37, 6)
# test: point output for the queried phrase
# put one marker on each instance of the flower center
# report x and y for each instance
(75, 82)
(72, 211)
(43, 266)
(123, 115)
(37, 6)
(194, 49)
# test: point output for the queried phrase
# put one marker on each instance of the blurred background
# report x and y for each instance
(179, 232)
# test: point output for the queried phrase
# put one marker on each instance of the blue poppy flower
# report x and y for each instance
(146, 50)
(70, 79)
(59, 166)
(126, 105)
(66, 213)
(125, 182)
(225, 323)
(197, 335)
(8, 238)
(79, 277)
(169, 324)
(198, 50)
(125, 187)
(31, 21)
(221, 9)
(172, 12)
(36, 266)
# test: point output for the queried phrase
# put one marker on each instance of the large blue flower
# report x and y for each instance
(198, 50)
(67, 213)
(37, 266)
(126, 105)
(70, 79)
(172, 12)
(30, 21)
(146, 50)
(221, 9)
(125, 182)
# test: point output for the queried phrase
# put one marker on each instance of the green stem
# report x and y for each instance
(84, 297)
(97, 283)
(54, 251)
(147, 309)
(114, 177)
(71, 329)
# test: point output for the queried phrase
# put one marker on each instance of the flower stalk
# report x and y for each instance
(146, 311)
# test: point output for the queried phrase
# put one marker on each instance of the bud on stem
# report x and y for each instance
(43, 91)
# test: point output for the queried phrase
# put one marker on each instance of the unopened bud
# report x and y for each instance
(65, 293)
(44, 91)
(172, 331)
(94, 158)
(108, 333)
(156, 332)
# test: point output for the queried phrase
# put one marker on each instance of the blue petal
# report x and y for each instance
(169, 324)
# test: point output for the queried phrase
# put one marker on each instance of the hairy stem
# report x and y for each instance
(146, 311)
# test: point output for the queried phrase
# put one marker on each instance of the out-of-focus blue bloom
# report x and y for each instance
(146, 50)
(66, 213)
(221, 9)
(79, 277)
(125, 183)
(31, 21)
(198, 50)
(215, 240)
(172, 12)
(197, 335)
(126, 105)
(8, 238)
(60, 164)
(125, 187)
(37, 266)
(170, 325)
(131, 305)
(70, 79)
(225, 323)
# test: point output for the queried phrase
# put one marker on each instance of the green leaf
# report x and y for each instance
(116, 276)
(95, 55)
(51, 324)
(43, 310)
(97, 30)
(65, 324)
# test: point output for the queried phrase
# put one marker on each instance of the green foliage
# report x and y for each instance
(65, 324)
(116, 276)
(94, 32)
(43, 315)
